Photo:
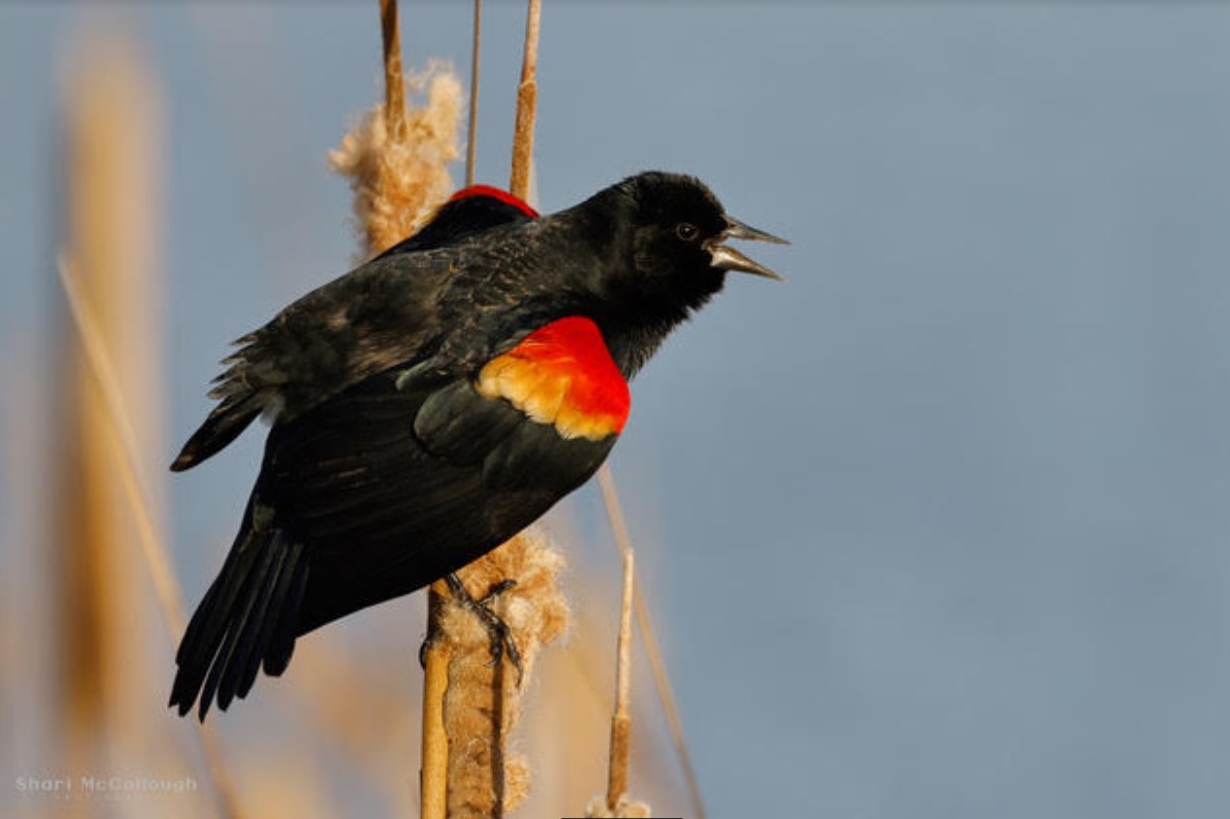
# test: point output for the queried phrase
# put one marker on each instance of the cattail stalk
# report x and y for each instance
(394, 91)
(621, 721)
(527, 106)
(107, 277)
(616, 802)
(472, 128)
(433, 780)
(662, 683)
(110, 183)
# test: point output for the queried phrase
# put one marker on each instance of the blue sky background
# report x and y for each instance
(937, 529)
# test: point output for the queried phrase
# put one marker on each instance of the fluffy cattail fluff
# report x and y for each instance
(626, 809)
(397, 183)
(483, 700)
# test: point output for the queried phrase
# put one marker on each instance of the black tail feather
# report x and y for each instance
(249, 615)
(221, 427)
(282, 641)
(254, 594)
(256, 642)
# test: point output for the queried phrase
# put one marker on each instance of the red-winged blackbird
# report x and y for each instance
(435, 401)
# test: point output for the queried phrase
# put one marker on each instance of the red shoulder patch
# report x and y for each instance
(495, 193)
(562, 374)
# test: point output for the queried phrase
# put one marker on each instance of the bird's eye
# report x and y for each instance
(687, 231)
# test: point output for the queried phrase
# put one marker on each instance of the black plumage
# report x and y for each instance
(387, 467)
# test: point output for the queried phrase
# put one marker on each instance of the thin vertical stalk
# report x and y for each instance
(394, 90)
(527, 106)
(472, 129)
(621, 720)
(106, 274)
(123, 443)
(653, 652)
(433, 781)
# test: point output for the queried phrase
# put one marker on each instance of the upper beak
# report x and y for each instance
(727, 258)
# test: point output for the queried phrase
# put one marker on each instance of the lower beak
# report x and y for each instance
(727, 258)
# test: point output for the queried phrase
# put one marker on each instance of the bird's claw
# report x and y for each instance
(502, 642)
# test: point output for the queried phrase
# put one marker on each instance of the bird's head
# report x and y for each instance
(665, 239)
(676, 232)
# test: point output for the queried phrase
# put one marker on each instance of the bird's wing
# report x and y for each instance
(370, 495)
(394, 488)
(351, 328)
(371, 319)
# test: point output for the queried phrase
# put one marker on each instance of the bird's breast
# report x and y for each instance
(562, 374)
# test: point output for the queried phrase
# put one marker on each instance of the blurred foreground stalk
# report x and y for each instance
(113, 150)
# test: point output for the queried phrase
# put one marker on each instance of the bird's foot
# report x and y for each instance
(502, 643)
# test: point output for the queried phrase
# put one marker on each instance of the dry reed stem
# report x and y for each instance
(113, 220)
(621, 721)
(153, 549)
(111, 124)
(472, 128)
(433, 780)
(170, 598)
(653, 652)
(617, 802)
(394, 93)
(527, 106)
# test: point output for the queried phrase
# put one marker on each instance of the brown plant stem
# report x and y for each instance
(122, 440)
(621, 721)
(434, 775)
(394, 92)
(653, 652)
(107, 275)
(472, 129)
(527, 105)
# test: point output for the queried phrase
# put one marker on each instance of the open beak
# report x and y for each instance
(727, 258)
